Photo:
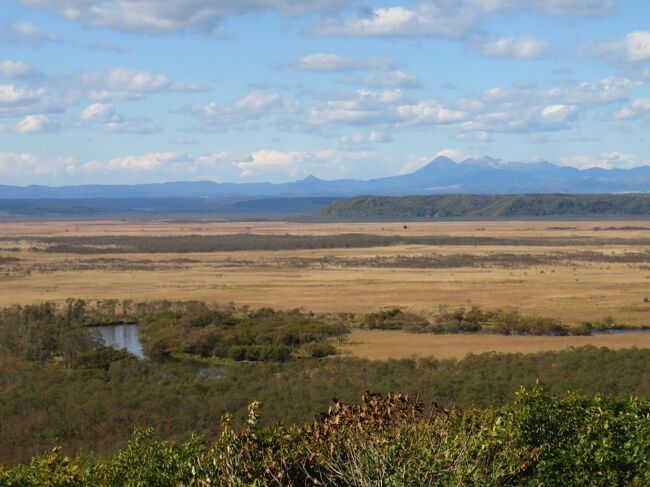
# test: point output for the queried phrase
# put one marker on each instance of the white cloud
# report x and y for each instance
(146, 162)
(608, 90)
(610, 160)
(335, 63)
(557, 113)
(98, 112)
(169, 16)
(19, 100)
(514, 47)
(369, 138)
(637, 109)
(274, 164)
(638, 46)
(521, 109)
(259, 165)
(365, 107)
(252, 106)
(11, 95)
(425, 20)
(24, 164)
(26, 33)
(429, 112)
(16, 69)
(633, 48)
(118, 84)
(110, 121)
(34, 124)
(450, 19)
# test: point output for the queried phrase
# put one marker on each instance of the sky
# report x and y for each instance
(138, 91)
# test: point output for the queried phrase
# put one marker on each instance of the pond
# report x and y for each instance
(123, 336)
(126, 336)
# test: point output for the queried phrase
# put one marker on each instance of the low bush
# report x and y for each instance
(386, 440)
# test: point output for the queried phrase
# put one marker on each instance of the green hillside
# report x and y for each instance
(490, 206)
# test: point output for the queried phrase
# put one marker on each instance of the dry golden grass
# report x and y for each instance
(586, 291)
(381, 345)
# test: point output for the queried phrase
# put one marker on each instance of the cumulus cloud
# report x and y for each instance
(335, 63)
(11, 95)
(26, 33)
(397, 21)
(24, 164)
(252, 106)
(608, 90)
(35, 124)
(16, 69)
(449, 19)
(513, 47)
(104, 115)
(169, 16)
(17, 101)
(637, 46)
(633, 48)
(293, 164)
(98, 112)
(146, 162)
(521, 109)
(388, 107)
(635, 110)
(365, 107)
(494, 110)
(122, 83)
(263, 164)
(610, 160)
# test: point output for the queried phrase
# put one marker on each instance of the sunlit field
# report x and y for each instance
(567, 270)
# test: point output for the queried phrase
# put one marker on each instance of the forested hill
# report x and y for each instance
(490, 206)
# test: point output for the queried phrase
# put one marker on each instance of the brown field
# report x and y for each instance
(580, 290)
(381, 345)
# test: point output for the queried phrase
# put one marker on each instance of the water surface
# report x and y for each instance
(123, 336)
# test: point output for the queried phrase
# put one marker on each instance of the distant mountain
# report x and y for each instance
(489, 206)
(440, 176)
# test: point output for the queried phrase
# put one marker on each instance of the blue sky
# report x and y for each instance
(129, 91)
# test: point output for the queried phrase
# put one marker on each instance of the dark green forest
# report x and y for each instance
(489, 206)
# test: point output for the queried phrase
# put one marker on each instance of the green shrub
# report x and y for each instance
(386, 440)
(320, 350)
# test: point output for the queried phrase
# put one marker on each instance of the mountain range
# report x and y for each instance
(440, 176)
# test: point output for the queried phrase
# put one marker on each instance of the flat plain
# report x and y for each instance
(570, 270)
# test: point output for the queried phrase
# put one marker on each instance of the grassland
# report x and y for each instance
(394, 344)
(569, 270)
(588, 279)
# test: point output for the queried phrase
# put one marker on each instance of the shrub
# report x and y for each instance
(386, 440)
(320, 350)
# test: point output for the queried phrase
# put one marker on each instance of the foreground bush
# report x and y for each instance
(387, 440)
